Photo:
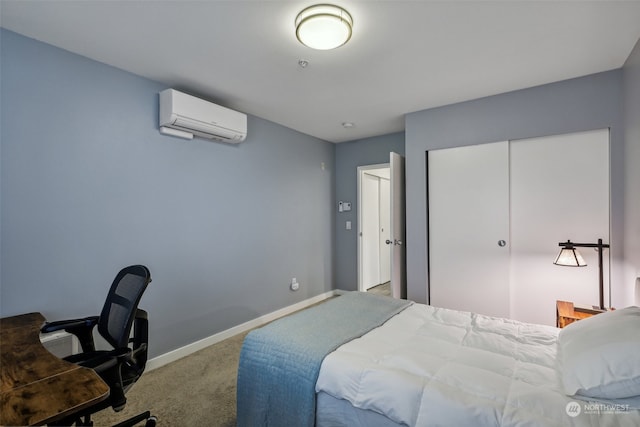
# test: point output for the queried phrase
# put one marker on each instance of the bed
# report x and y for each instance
(368, 360)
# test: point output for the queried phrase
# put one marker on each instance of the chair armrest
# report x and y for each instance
(71, 323)
(81, 328)
(106, 361)
(121, 354)
(140, 340)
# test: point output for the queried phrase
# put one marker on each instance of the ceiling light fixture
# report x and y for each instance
(324, 26)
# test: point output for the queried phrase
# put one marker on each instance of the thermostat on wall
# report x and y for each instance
(344, 206)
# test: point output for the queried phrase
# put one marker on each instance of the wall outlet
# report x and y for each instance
(294, 284)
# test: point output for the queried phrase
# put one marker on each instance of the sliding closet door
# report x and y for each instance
(531, 194)
(559, 191)
(469, 228)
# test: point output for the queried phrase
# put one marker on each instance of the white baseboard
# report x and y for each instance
(188, 349)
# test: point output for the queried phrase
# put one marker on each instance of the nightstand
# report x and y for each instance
(566, 313)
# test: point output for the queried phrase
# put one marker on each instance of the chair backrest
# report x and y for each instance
(122, 301)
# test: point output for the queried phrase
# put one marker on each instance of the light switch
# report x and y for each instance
(348, 225)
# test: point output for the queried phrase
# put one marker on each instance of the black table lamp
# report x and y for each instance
(570, 257)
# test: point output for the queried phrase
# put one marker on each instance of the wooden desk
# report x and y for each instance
(566, 313)
(37, 387)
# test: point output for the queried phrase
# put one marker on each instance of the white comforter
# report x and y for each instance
(435, 367)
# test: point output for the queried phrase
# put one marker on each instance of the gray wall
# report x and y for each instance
(350, 155)
(591, 102)
(631, 91)
(89, 186)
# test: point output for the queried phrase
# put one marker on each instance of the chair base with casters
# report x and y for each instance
(145, 416)
(150, 421)
(121, 366)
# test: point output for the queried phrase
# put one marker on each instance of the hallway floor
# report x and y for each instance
(383, 289)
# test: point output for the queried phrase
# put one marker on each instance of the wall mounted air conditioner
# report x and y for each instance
(186, 116)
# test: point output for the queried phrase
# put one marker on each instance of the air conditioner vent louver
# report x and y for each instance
(197, 117)
(205, 129)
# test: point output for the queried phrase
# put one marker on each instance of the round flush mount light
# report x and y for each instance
(324, 26)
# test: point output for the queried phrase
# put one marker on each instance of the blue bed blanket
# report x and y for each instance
(280, 362)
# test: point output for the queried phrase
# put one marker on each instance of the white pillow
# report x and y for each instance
(600, 355)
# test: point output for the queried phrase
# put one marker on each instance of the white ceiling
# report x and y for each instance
(404, 56)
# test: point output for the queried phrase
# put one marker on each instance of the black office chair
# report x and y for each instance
(122, 366)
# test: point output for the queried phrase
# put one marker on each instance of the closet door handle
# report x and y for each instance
(502, 243)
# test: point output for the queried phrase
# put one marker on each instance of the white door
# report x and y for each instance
(397, 239)
(531, 194)
(369, 234)
(373, 213)
(468, 202)
(385, 232)
(559, 191)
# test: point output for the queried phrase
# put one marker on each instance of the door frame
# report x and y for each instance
(361, 170)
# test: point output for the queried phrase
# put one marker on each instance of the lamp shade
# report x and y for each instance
(323, 26)
(570, 257)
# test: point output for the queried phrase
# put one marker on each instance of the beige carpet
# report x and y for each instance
(198, 390)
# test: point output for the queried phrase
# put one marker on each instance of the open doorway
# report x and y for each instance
(374, 226)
